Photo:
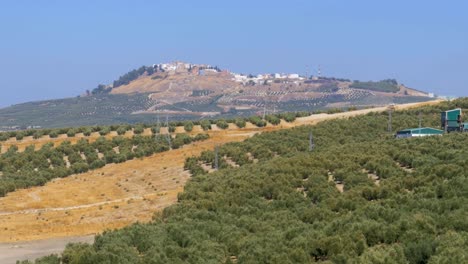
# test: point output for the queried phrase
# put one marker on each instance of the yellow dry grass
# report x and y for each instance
(117, 194)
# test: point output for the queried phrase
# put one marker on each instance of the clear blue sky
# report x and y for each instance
(54, 49)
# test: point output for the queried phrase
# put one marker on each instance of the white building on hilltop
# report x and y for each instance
(279, 76)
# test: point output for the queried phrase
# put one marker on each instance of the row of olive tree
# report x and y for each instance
(122, 129)
(36, 167)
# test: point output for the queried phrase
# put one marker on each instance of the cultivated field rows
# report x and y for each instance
(118, 194)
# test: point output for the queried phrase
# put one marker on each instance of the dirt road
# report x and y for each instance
(11, 252)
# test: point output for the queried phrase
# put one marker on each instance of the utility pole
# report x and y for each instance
(158, 125)
(446, 125)
(216, 165)
(168, 135)
(420, 121)
(157, 132)
(311, 142)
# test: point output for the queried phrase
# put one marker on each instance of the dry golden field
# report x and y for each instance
(117, 194)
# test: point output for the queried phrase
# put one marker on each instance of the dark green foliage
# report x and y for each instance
(240, 122)
(104, 131)
(19, 135)
(138, 129)
(104, 109)
(205, 124)
(288, 117)
(180, 140)
(222, 124)
(280, 205)
(121, 130)
(38, 134)
(53, 134)
(52, 259)
(272, 119)
(200, 137)
(4, 136)
(334, 110)
(203, 92)
(156, 130)
(71, 132)
(328, 88)
(258, 121)
(101, 89)
(388, 86)
(130, 76)
(188, 126)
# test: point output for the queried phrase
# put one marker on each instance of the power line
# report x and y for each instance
(168, 135)
(420, 121)
(311, 142)
(216, 165)
(390, 111)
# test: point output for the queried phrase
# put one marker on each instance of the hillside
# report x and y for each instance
(76, 204)
(188, 91)
(361, 196)
(120, 193)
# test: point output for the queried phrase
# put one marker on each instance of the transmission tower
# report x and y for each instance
(168, 135)
(420, 121)
(157, 132)
(158, 122)
(216, 165)
(311, 142)
(391, 108)
(158, 125)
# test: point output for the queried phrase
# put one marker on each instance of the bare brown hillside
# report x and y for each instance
(188, 92)
(178, 83)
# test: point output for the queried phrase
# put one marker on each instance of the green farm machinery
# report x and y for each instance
(451, 121)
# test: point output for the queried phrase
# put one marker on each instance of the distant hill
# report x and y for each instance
(194, 91)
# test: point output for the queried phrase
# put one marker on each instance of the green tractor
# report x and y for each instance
(451, 121)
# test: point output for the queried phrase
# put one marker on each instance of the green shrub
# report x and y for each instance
(19, 136)
(205, 124)
(156, 130)
(71, 132)
(139, 129)
(240, 122)
(188, 126)
(4, 136)
(274, 120)
(121, 130)
(222, 124)
(104, 131)
(53, 134)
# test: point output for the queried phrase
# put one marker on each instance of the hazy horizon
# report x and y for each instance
(60, 49)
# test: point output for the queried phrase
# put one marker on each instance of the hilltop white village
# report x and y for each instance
(246, 79)
(204, 69)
